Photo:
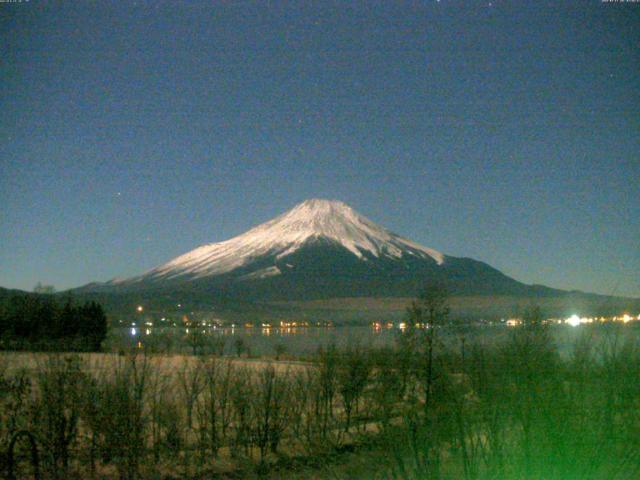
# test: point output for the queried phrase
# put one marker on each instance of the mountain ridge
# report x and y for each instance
(322, 252)
(305, 224)
(318, 249)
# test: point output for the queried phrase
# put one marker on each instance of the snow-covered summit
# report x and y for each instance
(310, 220)
(337, 221)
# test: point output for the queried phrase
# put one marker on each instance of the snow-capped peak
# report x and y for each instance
(312, 219)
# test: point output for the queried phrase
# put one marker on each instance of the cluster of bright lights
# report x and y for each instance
(575, 320)
(626, 318)
(284, 324)
(380, 325)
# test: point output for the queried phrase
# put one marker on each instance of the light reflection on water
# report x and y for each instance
(306, 340)
(261, 341)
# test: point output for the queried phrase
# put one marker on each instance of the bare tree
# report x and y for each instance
(426, 315)
(240, 346)
(270, 409)
(218, 375)
(241, 392)
(353, 376)
(119, 414)
(57, 410)
(280, 349)
(190, 382)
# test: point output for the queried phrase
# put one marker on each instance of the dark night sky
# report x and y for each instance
(509, 132)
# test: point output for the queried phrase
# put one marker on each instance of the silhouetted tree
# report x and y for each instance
(45, 289)
(424, 317)
(41, 320)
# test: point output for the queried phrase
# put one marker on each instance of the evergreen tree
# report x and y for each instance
(37, 319)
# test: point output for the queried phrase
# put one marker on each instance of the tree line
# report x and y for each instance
(42, 322)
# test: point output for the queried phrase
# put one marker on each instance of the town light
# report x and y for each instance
(573, 320)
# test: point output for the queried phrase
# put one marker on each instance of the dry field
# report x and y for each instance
(509, 409)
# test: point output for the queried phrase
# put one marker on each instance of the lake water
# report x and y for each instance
(306, 341)
(259, 341)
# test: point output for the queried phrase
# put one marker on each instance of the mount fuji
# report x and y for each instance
(317, 250)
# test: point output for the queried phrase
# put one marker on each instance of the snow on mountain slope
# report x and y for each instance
(285, 234)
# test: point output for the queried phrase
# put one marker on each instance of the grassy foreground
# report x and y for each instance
(513, 409)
